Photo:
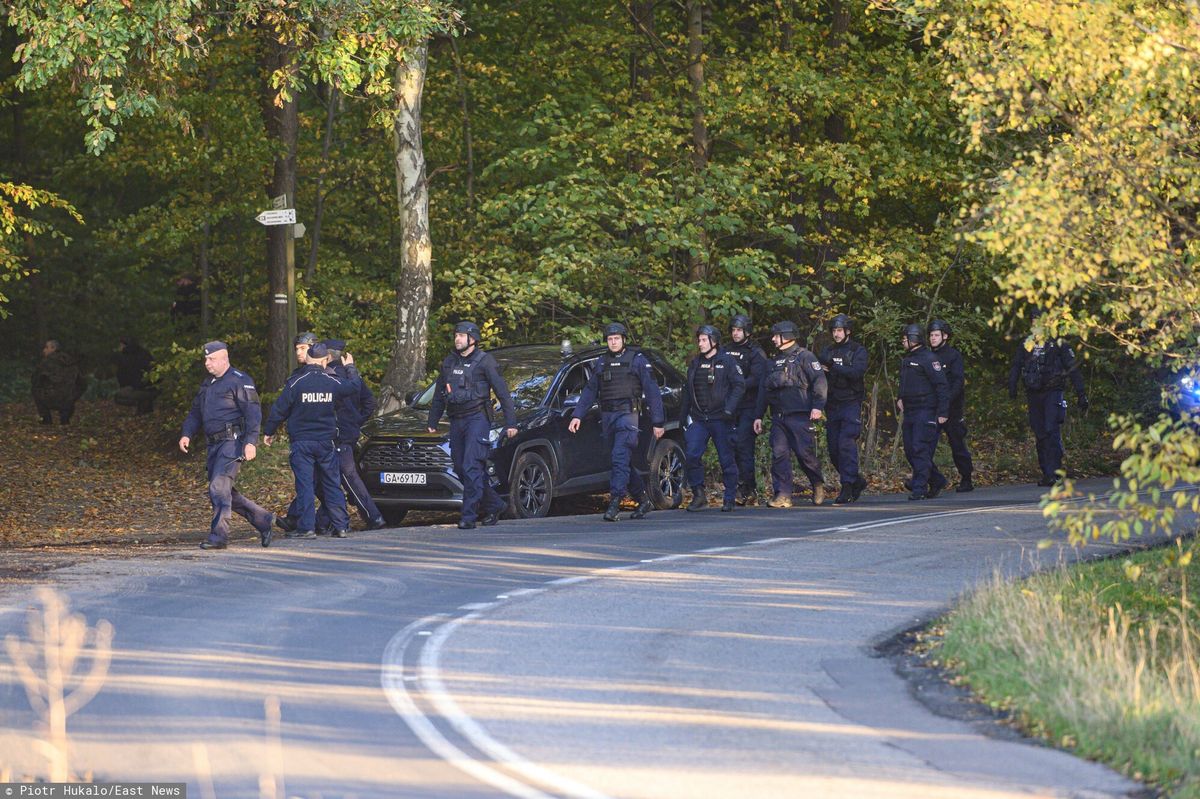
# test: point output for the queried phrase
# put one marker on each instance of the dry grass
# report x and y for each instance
(1103, 659)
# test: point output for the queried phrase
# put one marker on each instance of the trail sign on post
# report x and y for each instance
(298, 230)
(282, 216)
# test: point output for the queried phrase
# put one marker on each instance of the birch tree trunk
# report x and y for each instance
(414, 286)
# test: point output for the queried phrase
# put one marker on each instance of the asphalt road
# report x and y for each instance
(687, 655)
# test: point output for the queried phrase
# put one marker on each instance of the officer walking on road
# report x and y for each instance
(306, 404)
(795, 389)
(620, 380)
(753, 363)
(227, 411)
(956, 426)
(1045, 370)
(925, 403)
(464, 390)
(845, 365)
(352, 412)
(288, 522)
(710, 399)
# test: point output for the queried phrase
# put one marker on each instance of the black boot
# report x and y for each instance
(844, 496)
(965, 485)
(856, 490)
(614, 511)
(699, 501)
(727, 506)
(644, 507)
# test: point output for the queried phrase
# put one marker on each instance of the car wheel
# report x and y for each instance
(532, 487)
(665, 481)
(393, 516)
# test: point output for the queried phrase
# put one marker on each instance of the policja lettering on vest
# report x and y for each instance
(312, 427)
(845, 366)
(227, 411)
(925, 402)
(714, 389)
(468, 378)
(623, 378)
(794, 389)
(752, 362)
(956, 424)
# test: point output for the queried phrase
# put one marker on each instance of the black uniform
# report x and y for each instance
(956, 425)
(926, 397)
(710, 398)
(753, 362)
(847, 366)
(1045, 371)
(792, 387)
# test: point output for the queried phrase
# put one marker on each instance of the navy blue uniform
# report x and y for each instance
(620, 381)
(352, 412)
(753, 362)
(793, 386)
(926, 397)
(846, 366)
(306, 404)
(1045, 371)
(464, 392)
(956, 425)
(714, 389)
(227, 412)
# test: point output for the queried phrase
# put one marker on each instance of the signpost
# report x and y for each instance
(280, 214)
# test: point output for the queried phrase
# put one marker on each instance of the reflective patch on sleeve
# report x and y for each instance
(937, 366)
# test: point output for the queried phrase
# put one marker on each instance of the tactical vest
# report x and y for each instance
(785, 371)
(1041, 372)
(620, 387)
(707, 392)
(744, 353)
(467, 388)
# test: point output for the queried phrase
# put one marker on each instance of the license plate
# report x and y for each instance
(403, 478)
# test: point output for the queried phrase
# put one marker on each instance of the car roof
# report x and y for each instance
(551, 357)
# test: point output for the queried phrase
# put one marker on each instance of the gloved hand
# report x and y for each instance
(1083, 403)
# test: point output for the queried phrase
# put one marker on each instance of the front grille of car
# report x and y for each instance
(406, 457)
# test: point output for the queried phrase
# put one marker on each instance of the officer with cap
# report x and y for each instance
(226, 410)
(925, 403)
(352, 413)
(795, 389)
(956, 427)
(464, 390)
(620, 380)
(710, 399)
(753, 363)
(306, 404)
(288, 521)
(1045, 370)
(845, 365)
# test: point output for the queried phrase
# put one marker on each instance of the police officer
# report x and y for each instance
(753, 363)
(845, 365)
(469, 377)
(226, 410)
(795, 389)
(1045, 370)
(288, 522)
(710, 399)
(621, 378)
(352, 412)
(925, 403)
(306, 404)
(956, 427)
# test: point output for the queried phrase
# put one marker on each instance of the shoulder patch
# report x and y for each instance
(937, 366)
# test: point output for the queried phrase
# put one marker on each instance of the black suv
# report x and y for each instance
(406, 467)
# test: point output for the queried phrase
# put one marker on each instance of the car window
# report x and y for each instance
(527, 385)
(575, 381)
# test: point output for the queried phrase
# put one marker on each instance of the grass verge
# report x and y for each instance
(1100, 658)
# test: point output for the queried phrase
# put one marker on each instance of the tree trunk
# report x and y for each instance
(282, 125)
(700, 145)
(464, 93)
(414, 287)
(333, 106)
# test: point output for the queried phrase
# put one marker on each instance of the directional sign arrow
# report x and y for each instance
(284, 216)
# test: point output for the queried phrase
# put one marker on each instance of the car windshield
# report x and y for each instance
(527, 383)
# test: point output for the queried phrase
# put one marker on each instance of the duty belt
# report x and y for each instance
(230, 432)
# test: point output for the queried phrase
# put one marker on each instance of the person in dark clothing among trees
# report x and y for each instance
(133, 365)
(57, 383)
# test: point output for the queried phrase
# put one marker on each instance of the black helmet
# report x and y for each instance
(306, 338)
(914, 334)
(842, 321)
(741, 322)
(713, 336)
(788, 330)
(940, 324)
(616, 329)
(471, 329)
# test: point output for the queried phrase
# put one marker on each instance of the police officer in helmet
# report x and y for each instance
(621, 378)
(468, 379)
(710, 399)
(845, 365)
(1045, 370)
(794, 389)
(956, 427)
(925, 402)
(753, 363)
